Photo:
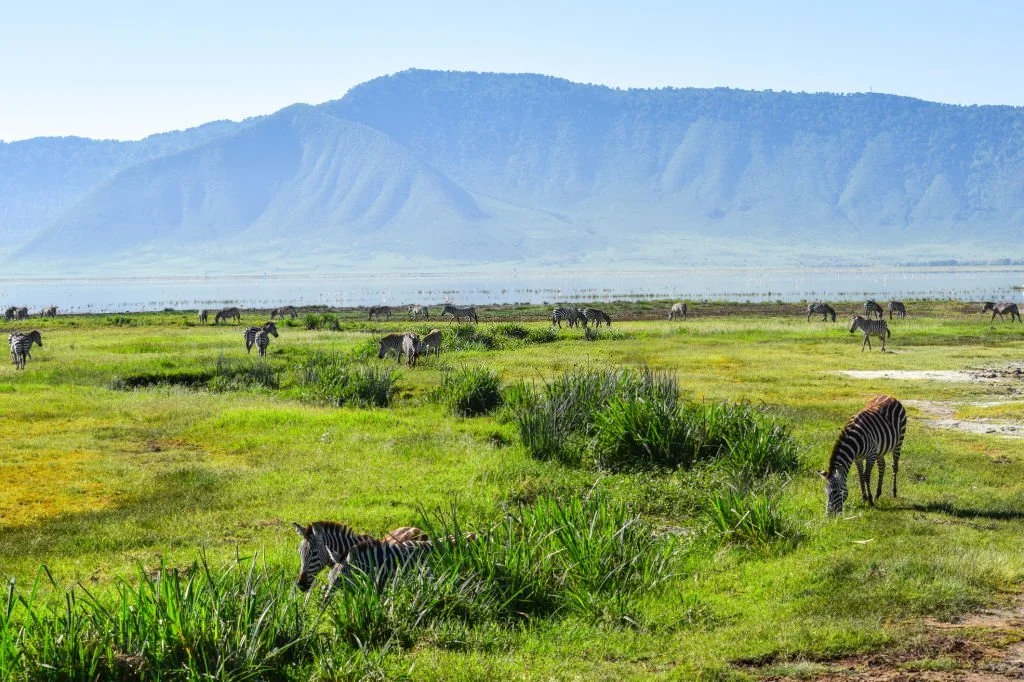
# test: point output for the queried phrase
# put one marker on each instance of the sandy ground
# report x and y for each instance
(943, 416)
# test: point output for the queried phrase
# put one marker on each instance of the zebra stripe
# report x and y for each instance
(252, 334)
(567, 313)
(677, 310)
(1001, 309)
(10, 313)
(823, 309)
(872, 309)
(406, 344)
(319, 539)
(226, 314)
(281, 312)
(377, 559)
(49, 312)
(898, 308)
(598, 317)
(457, 313)
(22, 313)
(877, 429)
(379, 310)
(418, 311)
(870, 328)
(430, 342)
(21, 345)
(204, 316)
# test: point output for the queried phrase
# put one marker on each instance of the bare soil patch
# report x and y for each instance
(943, 416)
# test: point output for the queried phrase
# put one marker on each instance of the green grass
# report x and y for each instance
(680, 570)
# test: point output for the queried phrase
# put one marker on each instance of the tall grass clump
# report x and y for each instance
(750, 517)
(462, 337)
(469, 391)
(621, 420)
(321, 322)
(120, 321)
(232, 375)
(336, 379)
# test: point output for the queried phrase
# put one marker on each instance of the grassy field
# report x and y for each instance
(140, 441)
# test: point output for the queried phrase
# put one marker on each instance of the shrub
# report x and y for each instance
(336, 379)
(468, 337)
(542, 335)
(755, 519)
(321, 322)
(120, 321)
(469, 392)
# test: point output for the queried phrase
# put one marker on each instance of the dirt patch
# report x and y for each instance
(968, 376)
(943, 416)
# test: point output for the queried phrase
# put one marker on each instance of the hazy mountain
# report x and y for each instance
(493, 167)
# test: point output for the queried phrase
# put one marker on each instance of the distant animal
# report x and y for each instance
(252, 334)
(823, 309)
(288, 310)
(204, 316)
(459, 312)
(872, 309)
(418, 311)
(431, 342)
(1001, 309)
(379, 311)
(376, 559)
(49, 312)
(569, 314)
(22, 313)
(870, 434)
(870, 328)
(598, 317)
(677, 310)
(21, 345)
(897, 308)
(406, 344)
(10, 314)
(262, 340)
(228, 314)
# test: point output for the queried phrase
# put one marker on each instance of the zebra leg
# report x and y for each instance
(881, 477)
(895, 467)
(868, 466)
(867, 340)
(882, 336)
(860, 479)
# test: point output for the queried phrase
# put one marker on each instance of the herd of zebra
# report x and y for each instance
(21, 313)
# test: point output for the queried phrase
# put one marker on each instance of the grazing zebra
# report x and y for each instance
(898, 308)
(406, 344)
(870, 434)
(872, 309)
(49, 312)
(227, 314)
(459, 312)
(288, 310)
(21, 345)
(379, 310)
(570, 314)
(431, 342)
(10, 314)
(418, 311)
(598, 317)
(252, 334)
(22, 313)
(823, 309)
(677, 310)
(1001, 309)
(870, 328)
(204, 316)
(377, 559)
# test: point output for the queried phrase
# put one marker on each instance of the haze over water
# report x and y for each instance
(529, 286)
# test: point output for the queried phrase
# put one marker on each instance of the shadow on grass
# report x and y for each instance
(958, 512)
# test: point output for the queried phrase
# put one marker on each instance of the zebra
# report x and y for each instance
(204, 316)
(677, 310)
(321, 537)
(10, 314)
(49, 312)
(22, 313)
(570, 314)
(872, 309)
(252, 334)
(226, 314)
(379, 310)
(406, 344)
(459, 312)
(898, 308)
(288, 310)
(418, 311)
(431, 342)
(823, 309)
(1001, 309)
(21, 345)
(870, 434)
(375, 558)
(870, 328)
(596, 316)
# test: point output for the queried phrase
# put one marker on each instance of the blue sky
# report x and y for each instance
(124, 69)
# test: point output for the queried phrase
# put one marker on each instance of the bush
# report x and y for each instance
(469, 392)
(120, 321)
(755, 519)
(322, 322)
(336, 379)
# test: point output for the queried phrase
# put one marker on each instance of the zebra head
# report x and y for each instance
(270, 328)
(855, 322)
(314, 555)
(835, 492)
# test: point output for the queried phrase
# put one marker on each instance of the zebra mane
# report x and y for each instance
(331, 525)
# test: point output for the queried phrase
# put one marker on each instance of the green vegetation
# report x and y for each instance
(646, 505)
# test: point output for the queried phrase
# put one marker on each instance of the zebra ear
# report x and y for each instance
(823, 474)
(302, 530)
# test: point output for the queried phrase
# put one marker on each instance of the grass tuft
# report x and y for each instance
(337, 379)
(469, 391)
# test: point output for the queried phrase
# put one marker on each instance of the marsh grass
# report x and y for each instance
(755, 517)
(337, 379)
(469, 391)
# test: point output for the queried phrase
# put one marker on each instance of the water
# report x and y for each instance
(99, 294)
